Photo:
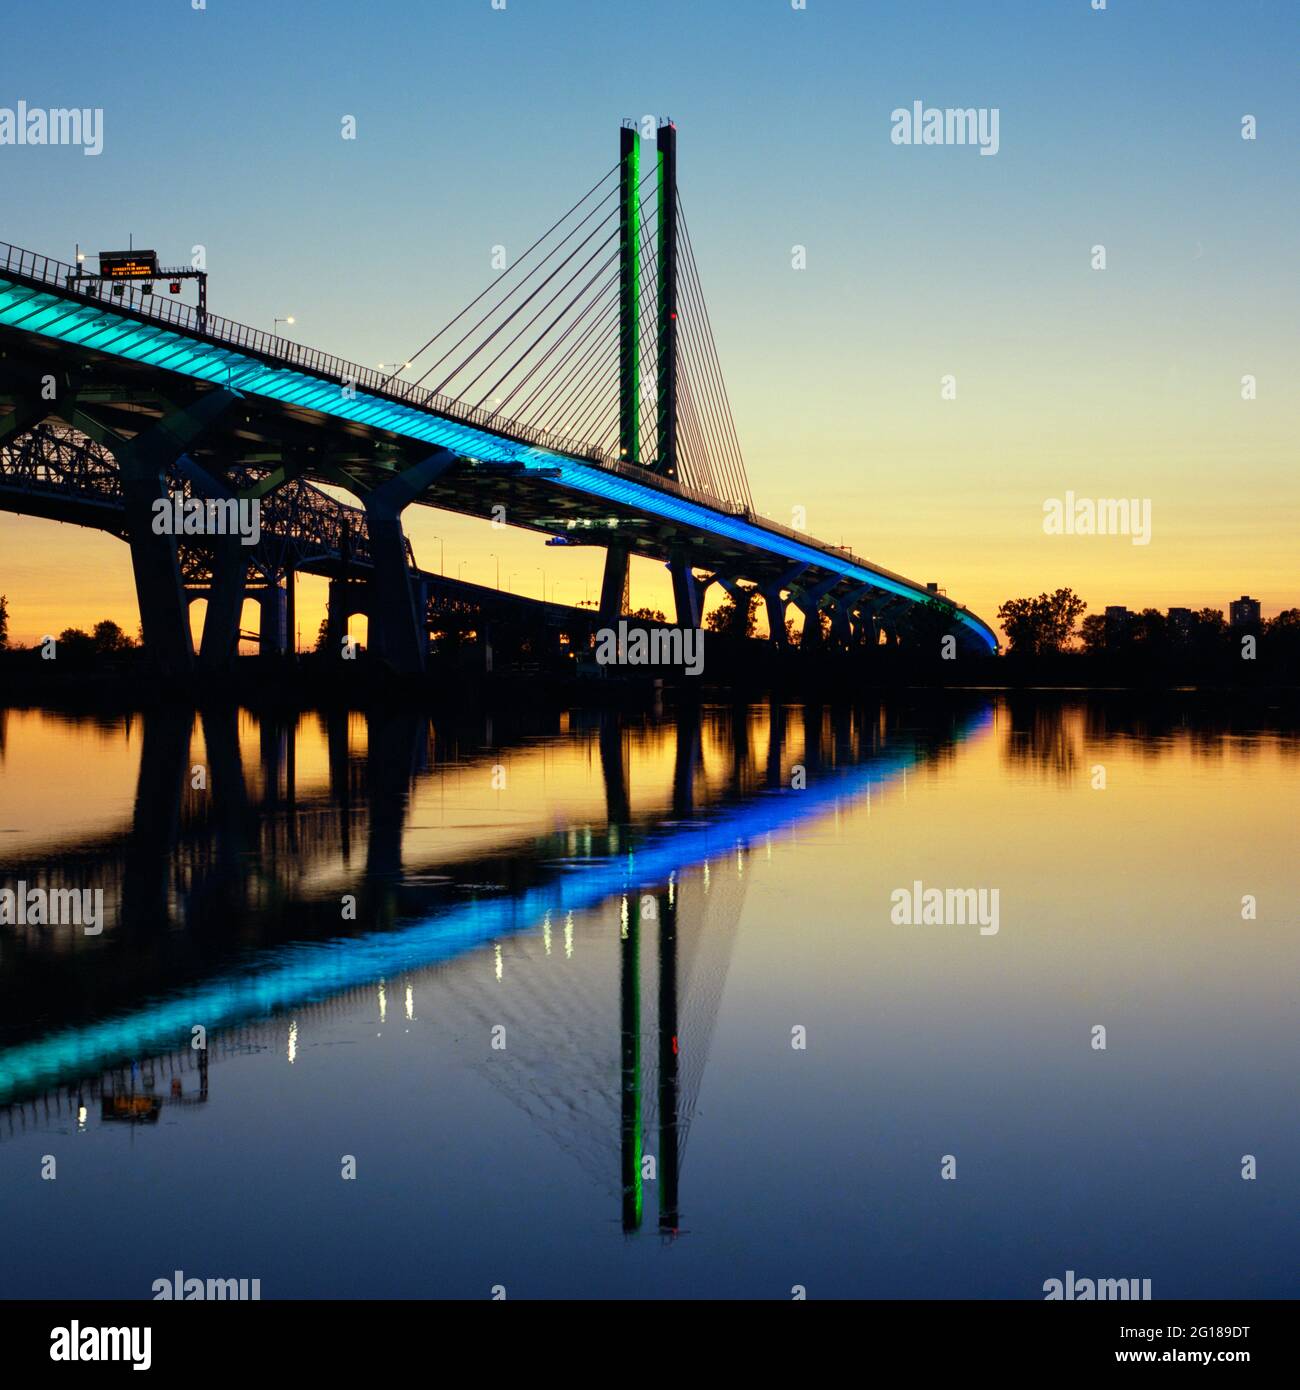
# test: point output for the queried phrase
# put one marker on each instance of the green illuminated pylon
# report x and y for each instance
(666, 361)
(629, 285)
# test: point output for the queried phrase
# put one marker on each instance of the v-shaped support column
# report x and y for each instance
(397, 630)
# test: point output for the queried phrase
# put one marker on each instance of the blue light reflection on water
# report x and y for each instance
(308, 971)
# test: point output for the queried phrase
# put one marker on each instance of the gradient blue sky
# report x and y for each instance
(477, 127)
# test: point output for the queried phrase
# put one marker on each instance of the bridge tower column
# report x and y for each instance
(629, 293)
(666, 362)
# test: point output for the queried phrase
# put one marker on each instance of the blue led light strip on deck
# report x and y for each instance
(100, 330)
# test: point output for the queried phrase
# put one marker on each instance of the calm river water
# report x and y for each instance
(602, 1005)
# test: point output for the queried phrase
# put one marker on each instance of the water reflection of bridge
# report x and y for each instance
(225, 911)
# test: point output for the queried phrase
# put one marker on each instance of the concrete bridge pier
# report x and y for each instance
(776, 607)
(143, 462)
(228, 557)
(398, 630)
(865, 633)
(688, 592)
(219, 642)
(164, 613)
(613, 585)
(812, 636)
(841, 631)
(809, 603)
(344, 598)
(272, 629)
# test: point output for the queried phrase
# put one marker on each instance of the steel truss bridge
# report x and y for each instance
(580, 396)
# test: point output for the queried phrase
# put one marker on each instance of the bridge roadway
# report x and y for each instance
(156, 383)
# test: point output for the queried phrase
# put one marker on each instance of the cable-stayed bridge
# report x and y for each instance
(580, 396)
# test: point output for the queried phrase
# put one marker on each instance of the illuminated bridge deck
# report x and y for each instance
(132, 356)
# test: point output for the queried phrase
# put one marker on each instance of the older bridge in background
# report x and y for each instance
(579, 396)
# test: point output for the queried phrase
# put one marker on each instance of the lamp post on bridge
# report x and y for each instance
(275, 325)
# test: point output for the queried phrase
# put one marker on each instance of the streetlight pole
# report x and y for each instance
(275, 325)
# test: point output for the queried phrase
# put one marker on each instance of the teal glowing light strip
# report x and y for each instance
(309, 971)
(99, 329)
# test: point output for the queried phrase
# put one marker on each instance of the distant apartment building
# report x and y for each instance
(1180, 624)
(1118, 619)
(1244, 612)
